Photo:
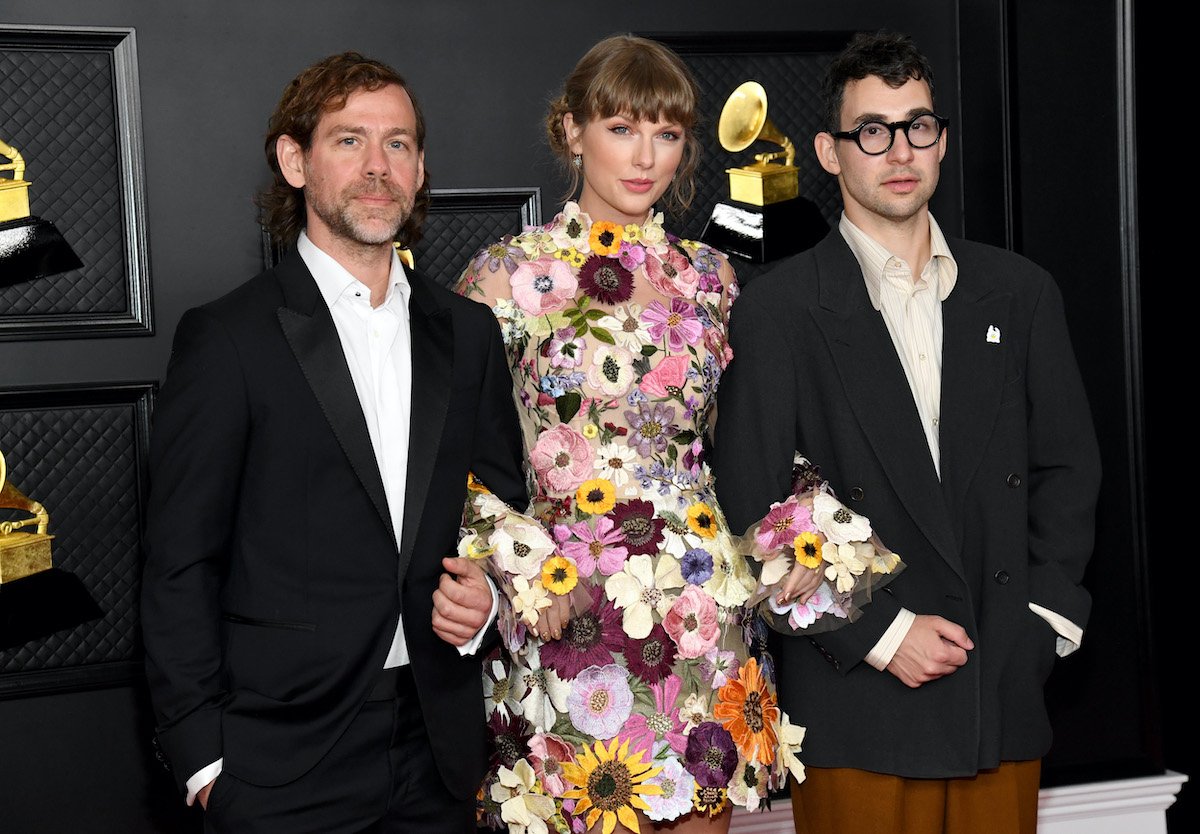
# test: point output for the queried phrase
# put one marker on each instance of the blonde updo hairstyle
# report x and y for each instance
(625, 75)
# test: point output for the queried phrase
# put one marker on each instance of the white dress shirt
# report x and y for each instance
(378, 348)
(912, 310)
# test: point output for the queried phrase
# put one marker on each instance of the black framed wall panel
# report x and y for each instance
(72, 107)
(81, 452)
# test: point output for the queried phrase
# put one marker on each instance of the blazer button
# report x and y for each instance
(1014, 480)
(1001, 577)
(856, 493)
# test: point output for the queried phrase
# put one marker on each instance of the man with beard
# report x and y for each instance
(310, 651)
(934, 381)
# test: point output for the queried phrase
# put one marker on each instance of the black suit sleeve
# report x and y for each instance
(757, 434)
(1064, 465)
(201, 422)
(498, 455)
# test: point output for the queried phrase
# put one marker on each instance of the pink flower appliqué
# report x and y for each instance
(673, 276)
(670, 372)
(679, 324)
(718, 667)
(782, 524)
(562, 458)
(716, 341)
(566, 351)
(603, 548)
(600, 701)
(546, 753)
(632, 255)
(692, 622)
(543, 286)
(664, 723)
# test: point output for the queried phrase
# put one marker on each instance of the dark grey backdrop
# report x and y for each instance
(212, 71)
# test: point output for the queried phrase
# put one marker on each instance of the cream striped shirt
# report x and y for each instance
(912, 311)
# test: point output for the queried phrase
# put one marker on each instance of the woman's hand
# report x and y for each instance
(552, 620)
(800, 584)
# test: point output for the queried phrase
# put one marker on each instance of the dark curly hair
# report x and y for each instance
(889, 55)
(322, 88)
(625, 75)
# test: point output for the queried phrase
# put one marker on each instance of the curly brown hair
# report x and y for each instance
(625, 75)
(320, 89)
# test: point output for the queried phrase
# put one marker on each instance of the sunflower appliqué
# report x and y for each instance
(711, 801)
(610, 782)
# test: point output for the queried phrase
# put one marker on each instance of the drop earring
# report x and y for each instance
(577, 161)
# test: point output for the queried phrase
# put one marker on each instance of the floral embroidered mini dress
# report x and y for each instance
(660, 695)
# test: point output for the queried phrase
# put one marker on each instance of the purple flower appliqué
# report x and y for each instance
(697, 566)
(711, 755)
(651, 658)
(653, 425)
(606, 279)
(591, 638)
(510, 739)
(643, 531)
(499, 253)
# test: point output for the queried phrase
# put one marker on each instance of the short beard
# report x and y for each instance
(342, 223)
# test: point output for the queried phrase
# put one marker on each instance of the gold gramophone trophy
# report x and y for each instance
(36, 598)
(24, 542)
(766, 218)
(30, 247)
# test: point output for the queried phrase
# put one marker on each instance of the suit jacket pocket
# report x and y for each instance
(274, 658)
(291, 625)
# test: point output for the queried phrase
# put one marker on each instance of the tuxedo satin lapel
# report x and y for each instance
(312, 335)
(972, 382)
(432, 367)
(879, 395)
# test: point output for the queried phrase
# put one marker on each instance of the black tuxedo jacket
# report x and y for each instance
(273, 580)
(1010, 522)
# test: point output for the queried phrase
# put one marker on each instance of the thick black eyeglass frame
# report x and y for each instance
(892, 127)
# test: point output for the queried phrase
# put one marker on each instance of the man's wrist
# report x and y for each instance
(883, 651)
(472, 645)
(202, 777)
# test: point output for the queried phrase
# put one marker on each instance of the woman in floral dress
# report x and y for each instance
(634, 688)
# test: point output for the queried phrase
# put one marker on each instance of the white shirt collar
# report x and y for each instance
(873, 257)
(335, 281)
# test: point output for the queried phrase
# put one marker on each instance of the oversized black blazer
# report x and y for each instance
(1010, 522)
(273, 579)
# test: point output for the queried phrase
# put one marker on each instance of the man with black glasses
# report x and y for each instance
(934, 381)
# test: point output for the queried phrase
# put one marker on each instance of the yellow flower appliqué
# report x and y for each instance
(711, 801)
(605, 238)
(807, 547)
(597, 496)
(701, 520)
(559, 575)
(610, 783)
